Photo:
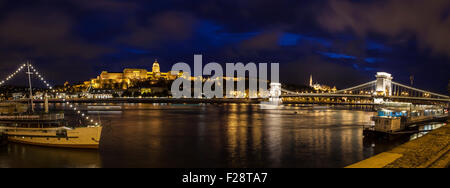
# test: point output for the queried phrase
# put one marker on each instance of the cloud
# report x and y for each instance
(92, 35)
(323, 71)
(426, 21)
(44, 33)
(263, 41)
(170, 26)
(106, 5)
(336, 55)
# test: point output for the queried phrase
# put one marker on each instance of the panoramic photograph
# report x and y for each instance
(224, 84)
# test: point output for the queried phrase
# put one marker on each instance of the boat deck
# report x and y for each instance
(30, 118)
(425, 119)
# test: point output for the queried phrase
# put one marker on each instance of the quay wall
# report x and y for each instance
(429, 151)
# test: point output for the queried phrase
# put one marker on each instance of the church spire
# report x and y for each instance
(310, 81)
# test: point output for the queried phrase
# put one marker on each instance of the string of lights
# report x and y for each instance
(12, 74)
(72, 106)
(41, 77)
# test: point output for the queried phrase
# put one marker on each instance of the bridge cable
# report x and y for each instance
(419, 90)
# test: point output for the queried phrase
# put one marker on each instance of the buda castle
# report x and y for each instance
(123, 80)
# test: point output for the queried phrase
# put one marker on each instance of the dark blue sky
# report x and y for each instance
(341, 43)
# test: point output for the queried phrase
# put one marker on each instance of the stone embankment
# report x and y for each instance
(429, 151)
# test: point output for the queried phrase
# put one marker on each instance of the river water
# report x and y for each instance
(204, 136)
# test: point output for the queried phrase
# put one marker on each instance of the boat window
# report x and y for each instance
(61, 133)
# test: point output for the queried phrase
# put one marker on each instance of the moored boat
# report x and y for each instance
(64, 137)
(22, 124)
(48, 129)
(394, 118)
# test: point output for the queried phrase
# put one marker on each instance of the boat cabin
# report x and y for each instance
(395, 116)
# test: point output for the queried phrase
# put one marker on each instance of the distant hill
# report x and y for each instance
(297, 87)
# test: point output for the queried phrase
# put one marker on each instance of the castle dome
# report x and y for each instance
(156, 66)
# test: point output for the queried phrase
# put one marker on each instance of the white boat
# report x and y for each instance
(44, 128)
(395, 116)
(48, 130)
(64, 137)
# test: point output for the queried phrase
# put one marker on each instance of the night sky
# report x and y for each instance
(341, 43)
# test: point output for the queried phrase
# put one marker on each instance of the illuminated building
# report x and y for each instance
(319, 87)
(384, 84)
(125, 79)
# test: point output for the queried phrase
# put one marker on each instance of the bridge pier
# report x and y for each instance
(275, 93)
(383, 84)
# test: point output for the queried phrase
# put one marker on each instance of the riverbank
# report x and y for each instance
(429, 151)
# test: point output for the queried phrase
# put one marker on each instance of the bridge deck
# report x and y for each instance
(335, 95)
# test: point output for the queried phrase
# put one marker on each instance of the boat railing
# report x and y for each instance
(45, 130)
(40, 117)
(424, 118)
(368, 127)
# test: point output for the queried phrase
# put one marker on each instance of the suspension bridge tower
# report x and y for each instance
(383, 86)
(275, 93)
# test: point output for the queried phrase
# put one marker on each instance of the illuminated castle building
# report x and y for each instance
(319, 87)
(123, 80)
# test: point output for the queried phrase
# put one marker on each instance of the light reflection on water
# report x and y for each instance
(228, 135)
(424, 129)
(24, 156)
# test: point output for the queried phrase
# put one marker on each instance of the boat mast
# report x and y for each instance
(31, 90)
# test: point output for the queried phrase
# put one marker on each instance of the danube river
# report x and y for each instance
(225, 135)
